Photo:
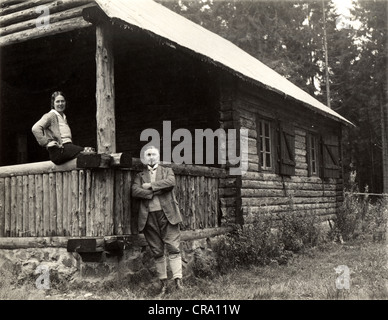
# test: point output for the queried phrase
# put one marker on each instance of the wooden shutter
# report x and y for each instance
(287, 150)
(308, 150)
(330, 157)
(258, 141)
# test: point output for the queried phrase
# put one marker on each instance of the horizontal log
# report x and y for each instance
(8, 3)
(262, 193)
(51, 29)
(97, 160)
(253, 211)
(39, 242)
(21, 6)
(227, 192)
(319, 218)
(204, 233)
(279, 201)
(31, 13)
(85, 245)
(139, 240)
(186, 169)
(228, 182)
(122, 160)
(36, 168)
(314, 186)
(54, 18)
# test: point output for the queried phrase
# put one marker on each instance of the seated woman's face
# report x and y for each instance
(60, 104)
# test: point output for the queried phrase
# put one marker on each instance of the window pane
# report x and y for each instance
(267, 129)
(267, 145)
(268, 160)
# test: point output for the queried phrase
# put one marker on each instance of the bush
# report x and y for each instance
(252, 244)
(362, 217)
(257, 244)
(298, 232)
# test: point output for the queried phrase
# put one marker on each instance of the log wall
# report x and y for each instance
(66, 201)
(266, 192)
(21, 21)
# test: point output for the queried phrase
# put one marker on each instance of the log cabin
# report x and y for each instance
(126, 66)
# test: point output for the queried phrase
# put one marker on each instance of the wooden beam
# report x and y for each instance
(205, 233)
(54, 18)
(54, 28)
(75, 243)
(41, 242)
(186, 169)
(23, 5)
(7, 3)
(95, 15)
(122, 160)
(31, 13)
(98, 160)
(105, 91)
(36, 168)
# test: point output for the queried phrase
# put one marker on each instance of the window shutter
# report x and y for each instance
(308, 150)
(330, 157)
(258, 142)
(287, 150)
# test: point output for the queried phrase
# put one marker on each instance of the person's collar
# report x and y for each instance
(58, 114)
(152, 168)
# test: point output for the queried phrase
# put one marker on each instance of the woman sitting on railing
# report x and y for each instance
(53, 132)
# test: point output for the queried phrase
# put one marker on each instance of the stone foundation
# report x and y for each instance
(135, 264)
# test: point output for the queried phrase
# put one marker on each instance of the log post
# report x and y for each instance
(105, 95)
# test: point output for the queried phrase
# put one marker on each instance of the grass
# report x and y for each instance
(292, 265)
(310, 275)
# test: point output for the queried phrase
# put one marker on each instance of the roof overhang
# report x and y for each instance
(179, 32)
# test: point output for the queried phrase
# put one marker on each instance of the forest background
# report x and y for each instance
(291, 37)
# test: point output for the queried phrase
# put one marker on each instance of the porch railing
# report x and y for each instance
(45, 200)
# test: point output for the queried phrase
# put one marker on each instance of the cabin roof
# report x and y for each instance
(179, 31)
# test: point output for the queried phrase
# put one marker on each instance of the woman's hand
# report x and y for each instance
(53, 143)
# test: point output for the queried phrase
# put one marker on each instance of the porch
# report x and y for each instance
(45, 205)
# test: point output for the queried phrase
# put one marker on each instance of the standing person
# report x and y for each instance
(159, 216)
(53, 132)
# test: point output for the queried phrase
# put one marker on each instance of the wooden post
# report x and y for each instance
(105, 95)
(31, 206)
(2, 207)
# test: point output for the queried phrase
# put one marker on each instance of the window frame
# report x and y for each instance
(260, 124)
(310, 136)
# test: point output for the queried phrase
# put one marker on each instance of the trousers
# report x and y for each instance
(161, 235)
(62, 155)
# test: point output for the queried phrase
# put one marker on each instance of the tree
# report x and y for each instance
(359, 59)
(288, 37)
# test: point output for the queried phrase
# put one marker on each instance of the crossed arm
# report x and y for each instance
(148, 190)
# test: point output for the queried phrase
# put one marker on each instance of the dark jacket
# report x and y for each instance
(164, 187)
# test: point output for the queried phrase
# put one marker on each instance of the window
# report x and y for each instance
(286, 149)
(265, 144)
(312, 155)
(323, 156)
(331, 157)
